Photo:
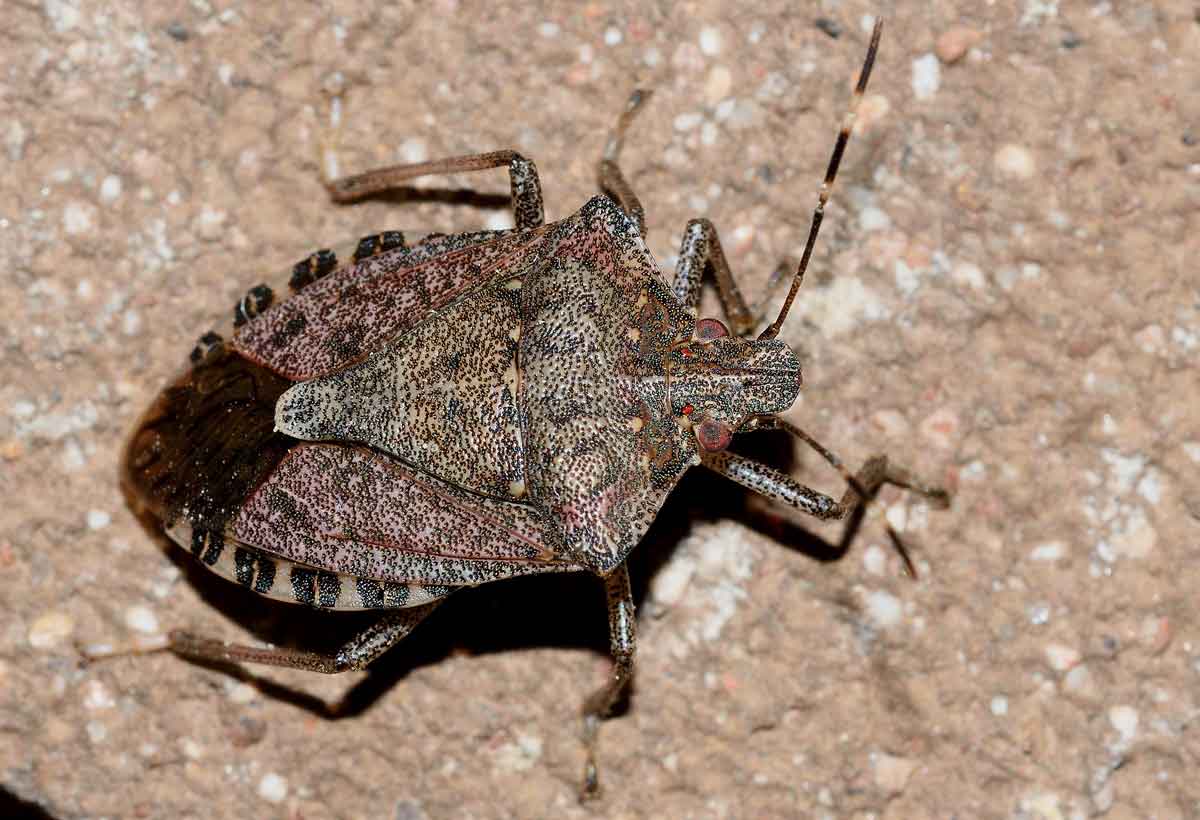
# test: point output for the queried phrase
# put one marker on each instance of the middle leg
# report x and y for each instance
(622, 630)
(522, 174)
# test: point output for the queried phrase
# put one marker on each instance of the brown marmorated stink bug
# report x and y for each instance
(420, 418)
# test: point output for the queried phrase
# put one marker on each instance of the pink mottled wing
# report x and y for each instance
(349, 510)
(340, 319)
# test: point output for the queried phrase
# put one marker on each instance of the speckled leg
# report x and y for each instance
(622, 630)
(780, 487)
(609, 175)
(355, 654)
(522, 174)
(700, 250)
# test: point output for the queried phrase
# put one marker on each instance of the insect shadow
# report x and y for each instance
(509, 615)
(457, 197)
(12, 805)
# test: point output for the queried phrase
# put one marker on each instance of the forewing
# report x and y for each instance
(352, 511)
(340, 319)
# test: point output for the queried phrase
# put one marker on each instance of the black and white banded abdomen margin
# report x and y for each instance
(284, 580)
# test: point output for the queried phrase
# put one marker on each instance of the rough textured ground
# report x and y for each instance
(1005, 298)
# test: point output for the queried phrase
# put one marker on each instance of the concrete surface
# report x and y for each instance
(1005, 298)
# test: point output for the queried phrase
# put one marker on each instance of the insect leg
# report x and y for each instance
(355, 654)
(622, 630)
(780, 487)
(700, 250)
(609, 175)
(522, 174)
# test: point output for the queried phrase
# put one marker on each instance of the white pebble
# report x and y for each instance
(710, 41)
(242, 693)
(907, 280)
(548, 29)
(520, 756)
(141, 619)
(1049, 551)
(110, 188)
(1014, 161)
(131, 322)
(78, 217)
(926, 76)
(1125, 720)
(1078, 681)
(15, 140)
(613, 36)
(874, 560)
(968, 273)
(50, 629)
(892, 773)
(498, 221)
(98, 519)
(413, 150)
(999, 706)
(670, 585)
(96, 731)
(96, 696)
(688, 121)
(871, 218)
(884, 608)
(273, 788)
(1060, 657)
(1150, 487)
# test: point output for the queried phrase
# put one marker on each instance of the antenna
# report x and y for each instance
(830, 174)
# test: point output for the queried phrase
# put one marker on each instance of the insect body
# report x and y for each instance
(420, 418)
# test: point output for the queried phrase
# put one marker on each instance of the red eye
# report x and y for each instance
(685, 352)
(708, 329)
(713, 435)
(687, 409)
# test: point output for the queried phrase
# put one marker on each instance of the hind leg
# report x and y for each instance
(356, 653)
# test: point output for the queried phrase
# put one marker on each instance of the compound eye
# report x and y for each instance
(709, 329)
(713, 435)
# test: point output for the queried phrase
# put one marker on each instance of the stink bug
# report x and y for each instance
(418, 418)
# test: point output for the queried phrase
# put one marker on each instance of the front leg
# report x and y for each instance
(622, 631)
(700, 251)
(780, 487)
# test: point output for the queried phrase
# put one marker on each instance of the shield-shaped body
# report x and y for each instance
(470, 408)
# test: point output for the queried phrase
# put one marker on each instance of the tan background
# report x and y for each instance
(1005, 297)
